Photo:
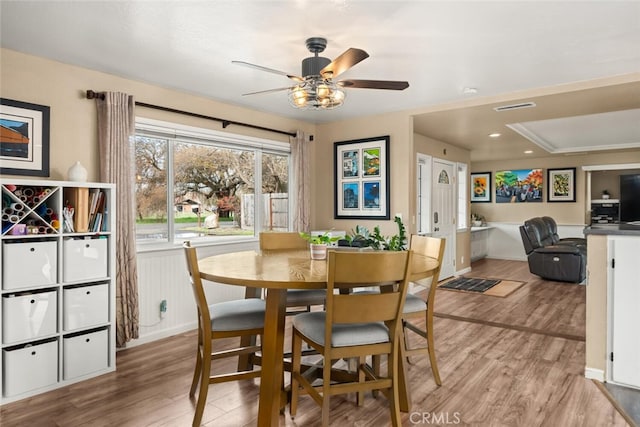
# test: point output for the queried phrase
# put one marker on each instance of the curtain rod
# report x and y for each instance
(93, 94)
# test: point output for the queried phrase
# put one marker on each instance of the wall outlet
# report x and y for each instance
(163, 308)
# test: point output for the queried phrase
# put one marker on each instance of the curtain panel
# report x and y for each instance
(116, 125)
(302, 191)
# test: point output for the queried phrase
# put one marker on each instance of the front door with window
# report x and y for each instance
(443, 212)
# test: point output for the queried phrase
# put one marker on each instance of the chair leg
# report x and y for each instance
(432, 350)
(361, 379)
(326, 382)
(405, 341)
(205, 373)
(196, 372)
(394, 394)
(296, 356)
(376, 362)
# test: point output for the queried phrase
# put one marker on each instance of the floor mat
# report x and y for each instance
(492, 287)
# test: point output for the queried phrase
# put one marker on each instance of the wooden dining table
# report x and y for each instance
(278, 271)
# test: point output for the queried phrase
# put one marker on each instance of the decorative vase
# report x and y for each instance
(77, 173)
(318, 251)
(605, 196)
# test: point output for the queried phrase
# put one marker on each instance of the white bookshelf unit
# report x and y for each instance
(57, 310)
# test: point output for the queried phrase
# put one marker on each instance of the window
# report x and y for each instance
(463, 193)
(203, 185)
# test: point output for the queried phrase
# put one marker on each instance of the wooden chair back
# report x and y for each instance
(277, 240)
(348, 270)
(432, 247)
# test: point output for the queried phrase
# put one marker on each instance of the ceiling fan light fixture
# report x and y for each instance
(316, 93)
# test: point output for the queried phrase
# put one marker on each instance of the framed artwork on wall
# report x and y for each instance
(561, 184)
(481, 187)
(361, 174)
(24, 140)
(519, 186)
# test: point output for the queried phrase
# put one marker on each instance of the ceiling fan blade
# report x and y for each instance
(269, 70)
(343, 62)
(374, 84)
(280, 89)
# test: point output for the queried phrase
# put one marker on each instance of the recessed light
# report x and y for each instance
(494, 135)
(469, 90)
(528, 152)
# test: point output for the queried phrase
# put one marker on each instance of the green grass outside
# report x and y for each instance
(177, 220)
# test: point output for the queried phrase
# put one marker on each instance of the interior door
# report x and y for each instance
(443, 203)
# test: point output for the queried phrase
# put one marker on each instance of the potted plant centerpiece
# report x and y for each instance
(361, 237)
(318, 244)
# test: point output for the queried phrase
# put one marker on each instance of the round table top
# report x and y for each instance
(284, 269)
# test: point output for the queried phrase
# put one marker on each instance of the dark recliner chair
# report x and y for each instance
(549, 256)
(553, 230)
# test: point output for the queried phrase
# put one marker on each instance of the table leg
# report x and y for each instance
(272, 358)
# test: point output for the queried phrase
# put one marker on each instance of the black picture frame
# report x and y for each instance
(24, 144)
(362, 178)
(481, 187)
(561, 185)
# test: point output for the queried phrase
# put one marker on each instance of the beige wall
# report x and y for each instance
(73, 118)
(399, 128)
(564, 213)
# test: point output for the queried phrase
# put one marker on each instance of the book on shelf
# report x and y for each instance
(96, 210)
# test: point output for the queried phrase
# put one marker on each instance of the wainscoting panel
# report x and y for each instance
(505, 241)
(162, 275)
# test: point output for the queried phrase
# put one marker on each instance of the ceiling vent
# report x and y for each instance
(515, 106)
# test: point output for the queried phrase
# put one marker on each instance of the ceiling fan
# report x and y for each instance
(317, 89)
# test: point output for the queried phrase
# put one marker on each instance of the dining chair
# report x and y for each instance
(278, 241)
(354, 326)
(417, 308)
(239, 318)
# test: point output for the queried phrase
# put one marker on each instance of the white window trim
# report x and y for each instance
(185, 133)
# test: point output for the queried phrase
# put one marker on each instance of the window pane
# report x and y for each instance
(463, 195)
(275, 192)
(213, 191)
(151, 188)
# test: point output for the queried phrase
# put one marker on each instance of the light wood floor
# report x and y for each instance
(514, 361)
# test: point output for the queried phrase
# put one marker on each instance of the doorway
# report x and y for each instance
(436, 205)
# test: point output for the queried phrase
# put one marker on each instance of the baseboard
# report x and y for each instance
(463, 271)
(507, 257)
(594, 374)
(165, 333)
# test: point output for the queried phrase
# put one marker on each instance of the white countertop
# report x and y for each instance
(484, 227)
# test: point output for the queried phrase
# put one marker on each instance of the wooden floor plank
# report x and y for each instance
(513, 361)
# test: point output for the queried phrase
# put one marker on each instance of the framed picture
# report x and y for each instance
(24, 140)
(481, 187)
(561, 185)
(519, 186)
(361, 170)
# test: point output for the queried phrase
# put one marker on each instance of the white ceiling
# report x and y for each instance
(439, 47)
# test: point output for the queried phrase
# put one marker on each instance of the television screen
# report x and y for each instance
(629, 198)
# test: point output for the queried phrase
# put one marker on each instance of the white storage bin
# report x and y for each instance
(84, 259)
(30, 316)
(85, 353)
(29, 368)
(85, 306)
(29, 264)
